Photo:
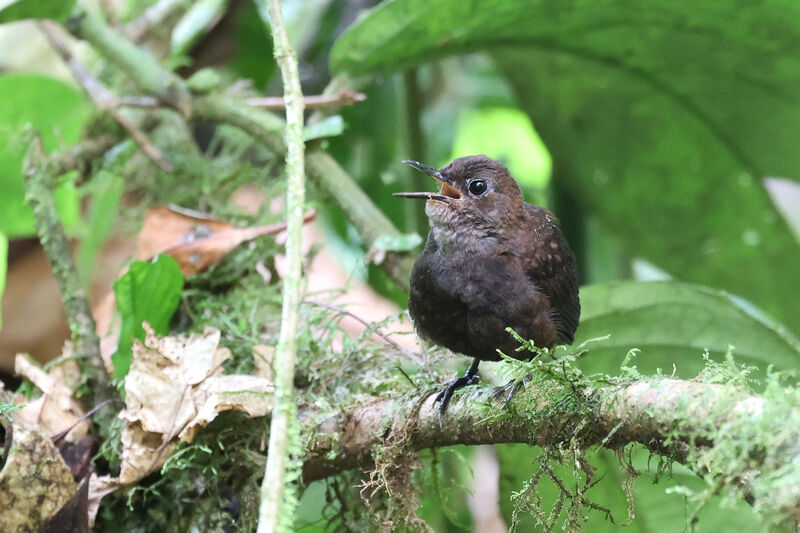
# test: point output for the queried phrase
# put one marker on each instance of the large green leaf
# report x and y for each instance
(59, 111)
(148, 291)
(673, 323)
(13, 10)
(662, 117)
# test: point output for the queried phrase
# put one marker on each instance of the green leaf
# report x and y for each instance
(149, 291)
(3, 267)
(328, 127)
(196, 22)
(672, 323)
(13, 10)
(59, 111)
(661, 118)
(402, 243)
(8, 408)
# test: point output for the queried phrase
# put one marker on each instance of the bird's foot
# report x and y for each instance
(443, 398)
(510, 389)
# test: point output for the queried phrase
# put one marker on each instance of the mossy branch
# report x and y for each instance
(749, 443)
(276, 511)
(40, 174)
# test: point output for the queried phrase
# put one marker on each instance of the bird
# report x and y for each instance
(491, 261)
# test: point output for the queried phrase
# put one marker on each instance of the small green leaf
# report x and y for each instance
(14, 10)
(3, 267)
(198, 20)
(204, 81)
(149, 291)
(59, 111)
(8, 408)
(329, 127)
(403, 243)
(672, 323)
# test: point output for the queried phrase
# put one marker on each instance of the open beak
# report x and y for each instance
(446, 191)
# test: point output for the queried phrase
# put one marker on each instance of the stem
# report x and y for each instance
(146, 71)
(276, 510)
(39, 194)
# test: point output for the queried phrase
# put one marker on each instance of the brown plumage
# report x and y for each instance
(491, 261)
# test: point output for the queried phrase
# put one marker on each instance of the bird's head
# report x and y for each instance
(475, 193)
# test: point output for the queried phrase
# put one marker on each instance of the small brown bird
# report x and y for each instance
(491, 261)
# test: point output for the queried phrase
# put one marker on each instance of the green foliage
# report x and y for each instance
(149, 291)
(8, 408)
(3, 266)
(672, 322)
(505, 134)
(60, 112)
(14, 10)
(636, 134)
(106, 191)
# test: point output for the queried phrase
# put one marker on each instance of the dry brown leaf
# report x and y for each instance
(158, 386)
(194, 241)
(173, 388)
(55, 410)
(250, 394)
(34, 482)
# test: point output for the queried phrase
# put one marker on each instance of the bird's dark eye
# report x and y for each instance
(478, 187)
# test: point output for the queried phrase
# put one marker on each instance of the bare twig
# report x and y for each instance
(343, 99)
(39, 194)
(276, 511)
(101, 96)
(408, 353)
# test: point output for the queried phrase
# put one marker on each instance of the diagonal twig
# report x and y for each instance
(405, 351)
(102, 96)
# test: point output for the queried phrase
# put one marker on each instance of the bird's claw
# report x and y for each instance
(443, 398)
(510, 389)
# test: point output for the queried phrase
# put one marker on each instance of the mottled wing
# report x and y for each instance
(550, 264)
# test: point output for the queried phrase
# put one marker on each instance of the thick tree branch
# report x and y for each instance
(707, 427)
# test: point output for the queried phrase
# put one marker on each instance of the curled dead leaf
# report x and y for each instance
(174, 387)
(195, 241)
(55, 410)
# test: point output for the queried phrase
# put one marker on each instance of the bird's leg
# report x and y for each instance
(510, 389)
(470, 378)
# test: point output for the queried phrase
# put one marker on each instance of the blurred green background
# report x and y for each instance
(662, 133)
